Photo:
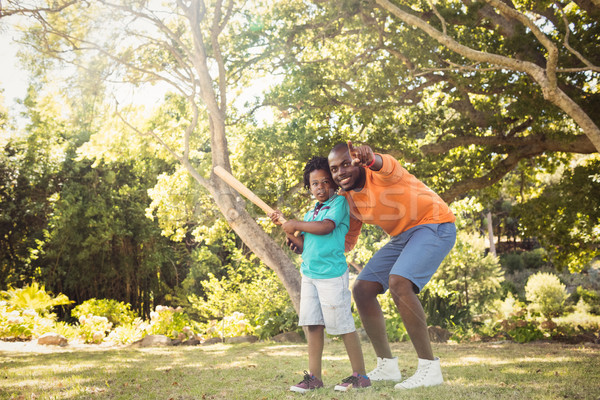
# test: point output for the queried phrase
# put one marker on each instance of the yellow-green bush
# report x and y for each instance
(546, 294)
(25, 313)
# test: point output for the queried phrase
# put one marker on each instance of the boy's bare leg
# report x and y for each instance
(316, 341)
(352, 343)
(365, 295)
(412, 314)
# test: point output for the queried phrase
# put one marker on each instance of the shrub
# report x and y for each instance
(67, 330)
(33, 297)
(589, 297)
(23, 324)
(521, 329)
(116, 312)
(546, 294)
(254, 292)
(25, 312)
(273, 321)
(535, 259)
(232, 325)
(503, 309)
(169, 321)
(512, 262)
(128, 332)
(93, 328)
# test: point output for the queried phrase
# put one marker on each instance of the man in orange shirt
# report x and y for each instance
(381, 192)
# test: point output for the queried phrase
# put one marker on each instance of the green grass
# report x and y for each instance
(266, 370)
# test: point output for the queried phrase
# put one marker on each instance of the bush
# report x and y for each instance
(535, 259)
(255, 292)
(116, 312)
(23, 324)
(93, 328)
(546, 294)
(170, 322)
(274, 321)
(33, 297)
(512, 262)
(25, 312)
(129, 332)
(589, 297)
(521, 329)
(232, 325)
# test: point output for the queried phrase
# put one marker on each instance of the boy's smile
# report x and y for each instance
(321, 185)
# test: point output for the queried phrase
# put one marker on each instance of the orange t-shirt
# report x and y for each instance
(395, 200)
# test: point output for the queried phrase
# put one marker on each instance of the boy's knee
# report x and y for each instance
(315, 328)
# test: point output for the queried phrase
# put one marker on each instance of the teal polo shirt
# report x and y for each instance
(323, 255)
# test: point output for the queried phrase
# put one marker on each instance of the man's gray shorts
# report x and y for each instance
(414, 254)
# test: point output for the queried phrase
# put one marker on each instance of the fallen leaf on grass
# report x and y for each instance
(95, 390)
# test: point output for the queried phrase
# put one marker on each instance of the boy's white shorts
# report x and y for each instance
(327, 302)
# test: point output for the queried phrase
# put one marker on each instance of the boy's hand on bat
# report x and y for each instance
(290, 227)
(275, 215)
(293, 246)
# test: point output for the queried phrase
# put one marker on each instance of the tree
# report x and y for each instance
(28, 176)
(512, 20)
(188, 46)
(565, 217)
(410, 92)
(12, 8)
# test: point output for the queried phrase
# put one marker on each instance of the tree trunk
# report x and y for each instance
(235, 213)
(263, 246)
(490, 228)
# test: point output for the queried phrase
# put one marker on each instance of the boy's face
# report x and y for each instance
(321, 185)
(345, 175)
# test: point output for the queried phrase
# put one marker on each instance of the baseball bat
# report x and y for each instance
(244, 191)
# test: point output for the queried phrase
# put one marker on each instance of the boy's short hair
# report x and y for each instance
(314, 164)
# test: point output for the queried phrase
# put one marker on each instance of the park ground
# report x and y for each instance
(498, 370)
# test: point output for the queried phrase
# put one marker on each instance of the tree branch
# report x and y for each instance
(577, 54)
(546, 78)
(537, 144)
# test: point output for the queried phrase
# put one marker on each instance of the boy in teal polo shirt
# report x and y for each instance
(325, 295)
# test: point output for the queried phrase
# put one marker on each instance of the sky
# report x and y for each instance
(13, 82)
(12, 79)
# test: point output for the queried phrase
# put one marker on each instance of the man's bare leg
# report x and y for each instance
(365, 295)
(413, 315)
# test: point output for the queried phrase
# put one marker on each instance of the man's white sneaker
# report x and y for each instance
(429, 373)
(386, 370)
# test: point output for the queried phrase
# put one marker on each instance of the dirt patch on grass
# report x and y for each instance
(33, 347)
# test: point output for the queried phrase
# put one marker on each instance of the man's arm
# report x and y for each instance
(364, 156)
(353, 233)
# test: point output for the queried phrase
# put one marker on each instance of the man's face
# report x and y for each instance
(346, 175)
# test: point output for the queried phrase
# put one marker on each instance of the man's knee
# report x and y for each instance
(364, 291)
(400, 286)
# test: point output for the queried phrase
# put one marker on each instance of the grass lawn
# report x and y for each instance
(266, 370)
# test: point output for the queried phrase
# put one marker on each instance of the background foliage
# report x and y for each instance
(94, 204)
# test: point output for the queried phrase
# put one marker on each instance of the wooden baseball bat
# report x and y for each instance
(244, 191)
